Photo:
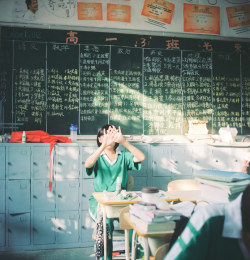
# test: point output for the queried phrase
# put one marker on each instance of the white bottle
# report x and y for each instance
(24, 137)
(118, 186)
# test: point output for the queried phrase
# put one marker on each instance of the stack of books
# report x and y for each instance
(147, 218)
(221, 186)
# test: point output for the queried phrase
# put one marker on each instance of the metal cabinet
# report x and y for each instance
(87, 226)
(67, 227)
(19, 229)
(44, 228)
(42, 198)
(145, 168)
(161, 160)
(2, 163)
(228, 158)
(40, 161)
(87, 190)
(3, 231)
(18, 196)
(68, 194)
(18, 162)
(2, 196)
(67, 160)
(86, 152)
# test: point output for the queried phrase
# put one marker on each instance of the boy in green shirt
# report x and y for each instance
(107, 164)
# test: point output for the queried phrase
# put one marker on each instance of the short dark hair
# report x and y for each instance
(101, 132)
(245, 209)
(28, 2)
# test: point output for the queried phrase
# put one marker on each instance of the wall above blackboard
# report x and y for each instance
(146, 84)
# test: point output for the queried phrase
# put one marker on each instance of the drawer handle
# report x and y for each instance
(60, 163)
(34, 196)
(83, 195)
(35, 163)
(83, 227)
(59, 228)
(9, 163)
(59, 196)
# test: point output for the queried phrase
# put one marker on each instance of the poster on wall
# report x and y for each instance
(89, 11)
(238, 15)
(159, 10)
(201, 19)
(119, 13)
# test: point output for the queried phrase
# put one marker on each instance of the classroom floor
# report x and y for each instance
(86, 253)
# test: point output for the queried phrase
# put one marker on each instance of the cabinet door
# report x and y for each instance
(87, 227)
(67, 162)
(161, 182)
(19, 229)
(67, 227)
(181, 156)
(144, 169)
(139, 183)
(2, 228)
(40, 162)
(161, 160)
(18, 162)
(87, 190)
(44, 228)
(238, 157)
(202, 157)
(67, 193)
(2, 196)
(86, 152)
(2, 163)
(18, 196)
(42, 198)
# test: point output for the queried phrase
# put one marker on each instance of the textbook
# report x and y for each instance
(154, 215)
(229, 187)
(226, 176)
(145, 227)
(215, 194)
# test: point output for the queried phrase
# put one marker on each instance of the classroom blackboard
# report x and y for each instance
(146, 84)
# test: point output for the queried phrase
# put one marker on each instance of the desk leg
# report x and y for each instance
(104, 232)
(134, 242)
(146, 248)
(127, 244)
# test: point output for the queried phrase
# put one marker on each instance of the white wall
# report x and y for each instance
(58, 13)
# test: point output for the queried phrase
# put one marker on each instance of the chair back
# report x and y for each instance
(130, 184)
(180, 185)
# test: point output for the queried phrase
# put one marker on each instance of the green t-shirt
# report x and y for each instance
(106, 175)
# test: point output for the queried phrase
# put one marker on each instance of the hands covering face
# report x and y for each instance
(112, 135)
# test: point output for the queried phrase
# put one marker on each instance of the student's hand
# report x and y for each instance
(118, 137)
(108, 136)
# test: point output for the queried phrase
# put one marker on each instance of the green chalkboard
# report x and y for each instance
(146, 84)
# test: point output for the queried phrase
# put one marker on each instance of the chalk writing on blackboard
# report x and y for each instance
(126, 89)
(196, 84)
(94, 87)
(162, 92)
(227, 90)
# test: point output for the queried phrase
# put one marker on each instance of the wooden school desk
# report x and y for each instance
(111, 209)
(150, 239)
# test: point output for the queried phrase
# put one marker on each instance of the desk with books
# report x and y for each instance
(111, 207)
(151, 239)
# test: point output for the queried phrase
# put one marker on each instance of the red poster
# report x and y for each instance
(89, 11)
(201, 18)
(119, 13)
(159, 10)
(238, 15)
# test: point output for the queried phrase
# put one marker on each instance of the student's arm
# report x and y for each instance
(139, 156)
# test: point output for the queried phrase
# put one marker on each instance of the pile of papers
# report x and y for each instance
(221, 186)
(148, 218)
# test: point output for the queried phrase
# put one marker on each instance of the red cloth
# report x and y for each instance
(40, 137)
